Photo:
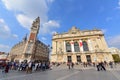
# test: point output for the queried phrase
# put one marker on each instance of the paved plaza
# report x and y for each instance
(63, 73)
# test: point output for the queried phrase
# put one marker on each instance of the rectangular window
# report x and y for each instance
(78, 58)
(69, 58)
(88, 57)
(68, 47)
(77, 49)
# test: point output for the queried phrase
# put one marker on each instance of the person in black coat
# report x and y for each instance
(7, 68)
(101, 66)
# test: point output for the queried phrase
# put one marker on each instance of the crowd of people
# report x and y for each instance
(103, 65)
(99, 65)
(25, 66)
(31, 66)
(70, 65)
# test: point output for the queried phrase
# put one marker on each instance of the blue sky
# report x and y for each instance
(16, 17)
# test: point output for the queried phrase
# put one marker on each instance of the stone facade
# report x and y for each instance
(80, 46)
(31, 48)
(3, 56)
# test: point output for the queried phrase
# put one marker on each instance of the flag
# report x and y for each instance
(80, 44)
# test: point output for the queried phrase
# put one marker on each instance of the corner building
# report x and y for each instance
(80, 46)
(31, 48)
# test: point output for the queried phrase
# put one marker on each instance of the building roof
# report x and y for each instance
(2, 53)
(75, 32)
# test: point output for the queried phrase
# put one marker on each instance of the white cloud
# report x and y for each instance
(1, 21)
(109, 19)
(118, 7)
(104, 30)
(114, 41)
(43, 38)
(15, 36)
(24, 20)
(119, 2)
(5, 32)
(4, 48)
(49, 26)
(26, 11)
(51, 23)
(53, 32)
(50, 1)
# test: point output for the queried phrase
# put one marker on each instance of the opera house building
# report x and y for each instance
(80, 46)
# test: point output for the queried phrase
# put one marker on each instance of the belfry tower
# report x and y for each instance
(30, 48)
(30, 45)
(34, 30)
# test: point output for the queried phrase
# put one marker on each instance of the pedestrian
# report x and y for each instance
(84, 64)
(111, 64)
(43, 66)
(36, 66)
(72, 65)
(39, 65)
(29, 67)
(7, 68)
(102, 67)
(98, 66)
(50, 66)
(68, 64)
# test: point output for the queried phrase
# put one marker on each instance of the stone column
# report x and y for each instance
(81, 45)
(90, 45)
(72, 46)
(64, 58)
(64, 46)
(56, 48)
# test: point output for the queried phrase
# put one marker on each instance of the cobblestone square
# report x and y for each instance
(63, 73)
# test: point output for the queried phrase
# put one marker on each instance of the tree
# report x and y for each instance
(116, 57)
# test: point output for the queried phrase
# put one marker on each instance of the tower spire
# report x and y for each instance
(25, 37)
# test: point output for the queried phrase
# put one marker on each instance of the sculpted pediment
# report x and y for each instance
(74, 30)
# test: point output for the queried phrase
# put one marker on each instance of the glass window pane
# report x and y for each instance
(68, 47)
(88, 58)
(76, 47)
(85, 46)
(78, 58)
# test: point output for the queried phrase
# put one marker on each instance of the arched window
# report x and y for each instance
(68, 47)
(76, 47)
(85, 46)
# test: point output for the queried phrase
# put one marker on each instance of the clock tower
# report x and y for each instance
(34, 30)
(29, 50)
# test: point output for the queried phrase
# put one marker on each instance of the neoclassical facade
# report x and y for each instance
(80, 46)
(31, 48)
(3, 56)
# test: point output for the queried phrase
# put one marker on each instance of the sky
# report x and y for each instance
(16, 17)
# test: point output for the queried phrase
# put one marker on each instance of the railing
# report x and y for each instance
(75, 35)
(83, 52)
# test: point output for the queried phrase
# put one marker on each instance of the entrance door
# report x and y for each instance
(69, 58)
(88, 58)
(78, 58)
